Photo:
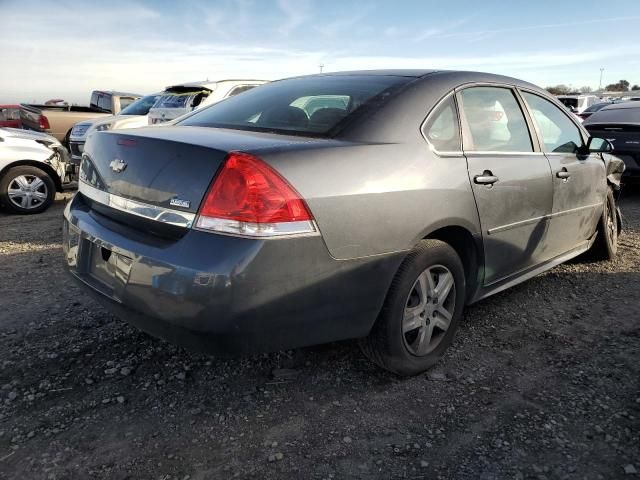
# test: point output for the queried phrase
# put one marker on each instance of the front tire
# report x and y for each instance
(605, 246)
(422, 311)
(26, 190)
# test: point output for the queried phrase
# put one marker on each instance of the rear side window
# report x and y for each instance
(240, 89)
(559, 134)
(442, 129)
(305, 106)
(104, 102)
(495, 120)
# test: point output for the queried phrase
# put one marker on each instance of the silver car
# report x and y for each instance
(370, 205)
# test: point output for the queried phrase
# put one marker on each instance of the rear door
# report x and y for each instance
(578, 180)
(511, 180)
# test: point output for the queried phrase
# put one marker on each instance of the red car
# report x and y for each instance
(10, 116)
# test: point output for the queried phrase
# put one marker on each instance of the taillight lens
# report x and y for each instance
(43, 122)
(250, 198)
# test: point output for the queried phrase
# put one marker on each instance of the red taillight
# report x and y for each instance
(249, 197)
(43, 122)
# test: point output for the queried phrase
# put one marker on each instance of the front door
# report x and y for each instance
(579, 184)
(511, 182)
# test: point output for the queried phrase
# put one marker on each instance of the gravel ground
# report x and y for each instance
(542, 382)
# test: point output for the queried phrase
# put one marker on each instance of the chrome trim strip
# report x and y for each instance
(143, 210)
(483, 153)
(528, 221)
(303, 228)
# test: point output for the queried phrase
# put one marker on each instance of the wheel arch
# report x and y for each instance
(35, 163)
(469, 249)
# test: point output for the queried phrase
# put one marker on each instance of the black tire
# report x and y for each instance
(36, 205)
(387, 344)
(605, 246)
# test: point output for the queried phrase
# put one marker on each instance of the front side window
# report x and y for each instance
(304, 106)
(495, 120)
(442, 129)
(559, 134)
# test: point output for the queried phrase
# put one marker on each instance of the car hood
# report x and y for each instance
(116, 121)
(28, 135)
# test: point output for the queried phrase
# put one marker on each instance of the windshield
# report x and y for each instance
(140, 106)
(308, 105)
(126, 101)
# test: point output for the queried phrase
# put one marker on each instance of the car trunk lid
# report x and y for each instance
(162, 173)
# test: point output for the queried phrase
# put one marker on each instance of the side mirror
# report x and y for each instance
(599, 145)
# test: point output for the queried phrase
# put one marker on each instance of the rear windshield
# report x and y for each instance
(596, 107)
(616, 115)
(9, 114)
(140, 106)
(182, 99)
(304, 106)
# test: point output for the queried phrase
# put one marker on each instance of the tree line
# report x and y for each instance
(621, 86)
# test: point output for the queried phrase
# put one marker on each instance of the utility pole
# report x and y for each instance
(600, 84)
(321, 67)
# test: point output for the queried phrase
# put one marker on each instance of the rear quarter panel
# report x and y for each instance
(380, 198)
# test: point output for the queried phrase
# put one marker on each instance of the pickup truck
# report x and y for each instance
(57, 121)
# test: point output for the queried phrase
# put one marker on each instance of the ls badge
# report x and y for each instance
(177, 202)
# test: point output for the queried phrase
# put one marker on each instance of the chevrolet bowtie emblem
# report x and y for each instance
(118, 165)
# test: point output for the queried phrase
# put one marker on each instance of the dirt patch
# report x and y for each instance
(543, 381)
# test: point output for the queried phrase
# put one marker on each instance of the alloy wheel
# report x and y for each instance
(428, 310)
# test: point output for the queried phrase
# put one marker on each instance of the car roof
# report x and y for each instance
(9, 106)
(118, 93)
(628, 113)
(454, 76)
(622, 105)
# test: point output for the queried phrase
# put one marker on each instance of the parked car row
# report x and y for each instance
(158, 108)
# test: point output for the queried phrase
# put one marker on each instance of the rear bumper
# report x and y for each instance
(223, 294)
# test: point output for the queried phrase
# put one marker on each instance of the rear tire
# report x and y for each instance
(26, 190)
(605, 246)
(421, 312)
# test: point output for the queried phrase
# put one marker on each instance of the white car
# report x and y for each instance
(133, 116)
(33, 166)
(178, 100)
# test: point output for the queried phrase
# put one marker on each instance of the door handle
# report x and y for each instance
(563, 174)
(487, 178)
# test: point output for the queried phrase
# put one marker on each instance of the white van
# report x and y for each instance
(177, 100)
(578, 103)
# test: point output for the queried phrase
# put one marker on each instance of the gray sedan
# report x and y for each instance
(370, 205)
